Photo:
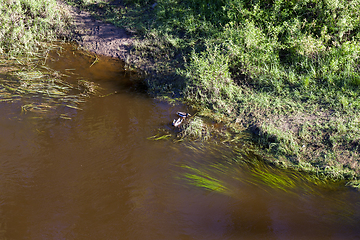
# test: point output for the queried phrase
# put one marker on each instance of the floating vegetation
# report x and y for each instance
(159, 137)
(73, 107)
(89, 88)
(42, 89)
(65, 116)
(38, 108)
(236, 175)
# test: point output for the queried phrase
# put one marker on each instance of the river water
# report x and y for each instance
(95, 174)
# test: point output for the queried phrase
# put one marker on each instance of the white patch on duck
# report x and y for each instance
(177, 123)
(181, 118)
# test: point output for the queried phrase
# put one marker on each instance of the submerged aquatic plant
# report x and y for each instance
(203, 179)
(159, 137)
(247, 168)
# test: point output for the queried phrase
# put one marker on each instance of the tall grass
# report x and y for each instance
(26, 24)
(284, 44)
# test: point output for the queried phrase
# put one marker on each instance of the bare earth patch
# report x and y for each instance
(99, 37)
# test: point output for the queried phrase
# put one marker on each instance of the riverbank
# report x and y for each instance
(283, 71)
(273, 69)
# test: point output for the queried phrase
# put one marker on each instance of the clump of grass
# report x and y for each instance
(159, 136)
(195, 129)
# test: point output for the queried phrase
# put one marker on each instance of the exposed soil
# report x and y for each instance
(99, 37)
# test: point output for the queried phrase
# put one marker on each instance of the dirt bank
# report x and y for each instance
(99, 37)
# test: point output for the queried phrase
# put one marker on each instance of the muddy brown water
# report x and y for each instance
(98, 176)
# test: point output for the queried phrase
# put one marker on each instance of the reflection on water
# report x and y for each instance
(97, 176)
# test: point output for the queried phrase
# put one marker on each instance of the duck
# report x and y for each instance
(177, 123)
(183, 115)
(181, 118)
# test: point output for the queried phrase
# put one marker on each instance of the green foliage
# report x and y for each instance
(195, 129)
(141, 3)
(307, 38)
(266, 58)
(210, 81)
(26, 24)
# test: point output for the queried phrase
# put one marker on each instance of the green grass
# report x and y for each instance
(27, 25)
(196, 129)
(287, 70)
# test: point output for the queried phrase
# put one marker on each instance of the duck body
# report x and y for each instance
(177, 123)
(181, 118)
